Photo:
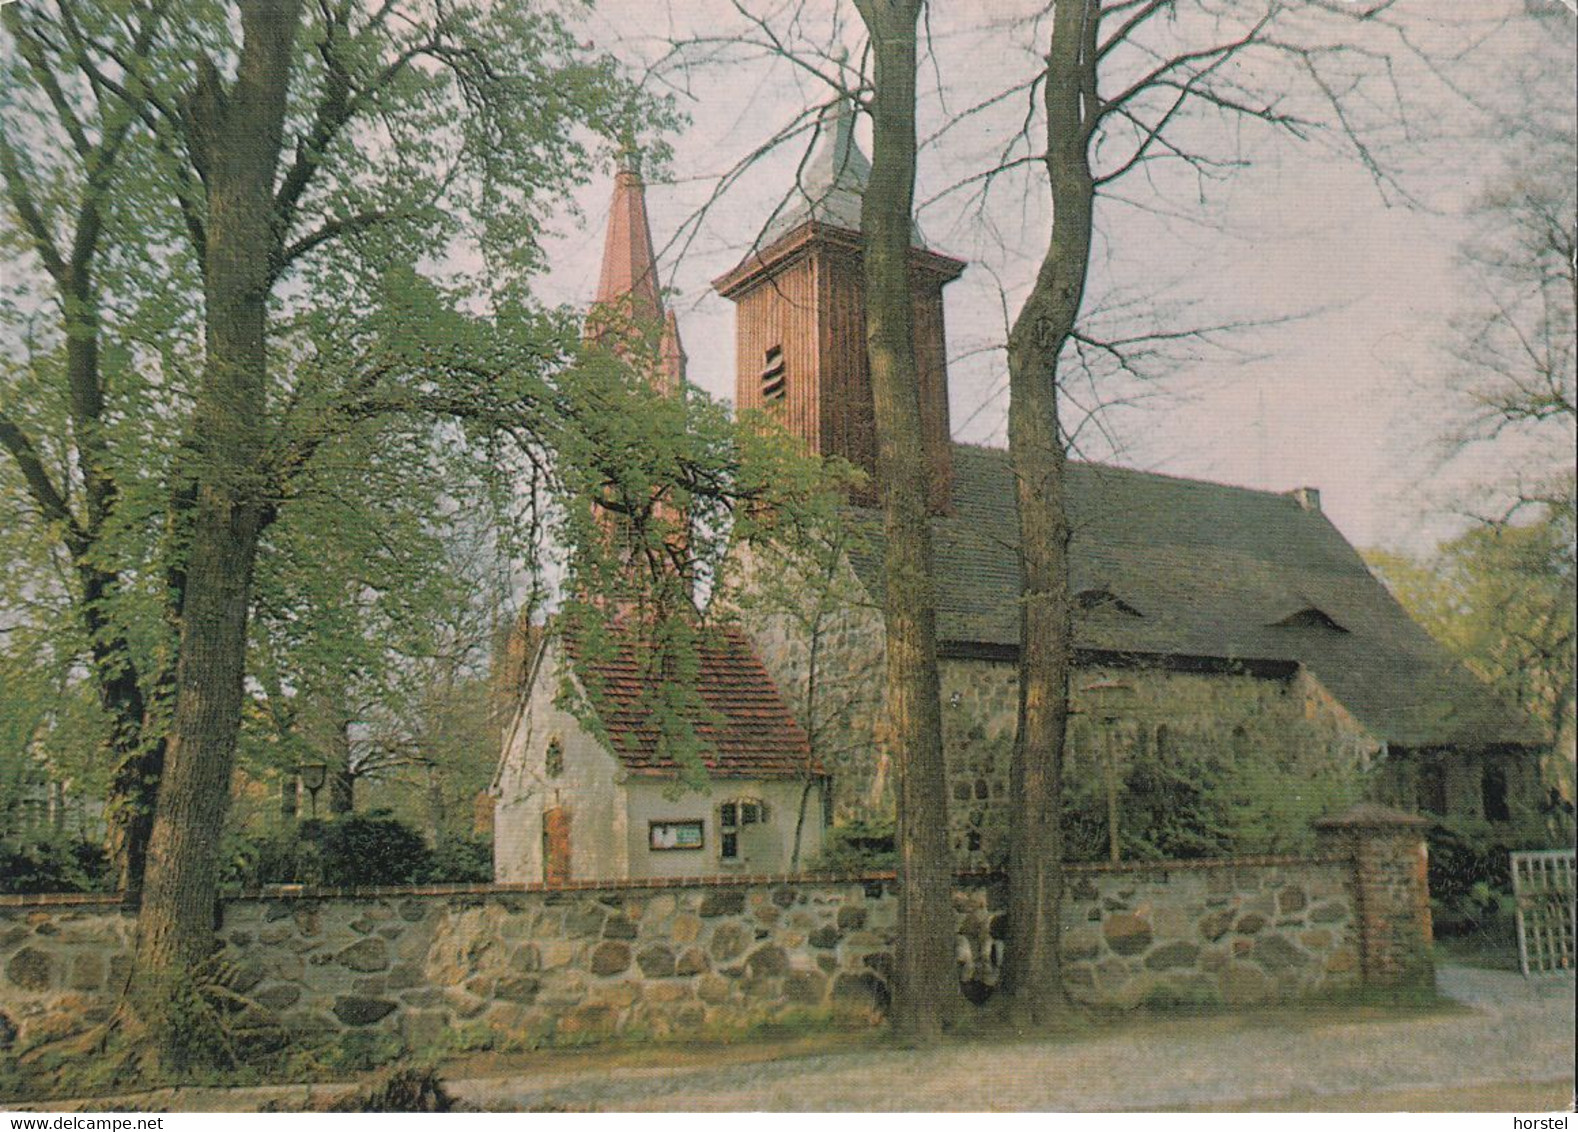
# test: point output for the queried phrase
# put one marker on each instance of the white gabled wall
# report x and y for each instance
(588, 788)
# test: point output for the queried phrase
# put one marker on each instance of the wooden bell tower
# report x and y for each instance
(801, 322)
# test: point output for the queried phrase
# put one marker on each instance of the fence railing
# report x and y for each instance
(1542, 890)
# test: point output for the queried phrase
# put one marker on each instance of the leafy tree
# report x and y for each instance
(306, 162)
(1501, 597)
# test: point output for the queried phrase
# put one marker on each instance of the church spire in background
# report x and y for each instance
(628, 296)
(629, 280)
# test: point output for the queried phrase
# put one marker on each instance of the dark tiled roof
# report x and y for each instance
(1207, 570)
(744, 727)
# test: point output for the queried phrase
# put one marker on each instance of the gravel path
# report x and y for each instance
(1515, 1031)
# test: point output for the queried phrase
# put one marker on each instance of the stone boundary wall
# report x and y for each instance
(710, 957)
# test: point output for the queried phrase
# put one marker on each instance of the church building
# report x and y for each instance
(1239, 670)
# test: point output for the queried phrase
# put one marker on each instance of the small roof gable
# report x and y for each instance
(1211, 570)
(748, 730)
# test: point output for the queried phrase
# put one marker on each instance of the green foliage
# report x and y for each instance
(406, 1089)
(1184, 793)
(458, 859)
(355, 850)
(858, 846)
(1503, 598)
(1471, 874)
(51, 866)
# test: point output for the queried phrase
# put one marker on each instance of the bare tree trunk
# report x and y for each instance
(234, 136)
(1032, 963)
(926, 986)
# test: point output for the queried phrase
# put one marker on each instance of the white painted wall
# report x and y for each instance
(764, 848)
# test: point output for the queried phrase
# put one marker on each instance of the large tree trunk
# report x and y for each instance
(926, 985)
(1032, 964)
(234, 136)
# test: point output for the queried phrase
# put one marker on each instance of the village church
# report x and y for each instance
(1216, 628)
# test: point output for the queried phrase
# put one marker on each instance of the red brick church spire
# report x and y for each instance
(628, 296)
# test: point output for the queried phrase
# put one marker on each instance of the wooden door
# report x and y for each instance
(556, 846)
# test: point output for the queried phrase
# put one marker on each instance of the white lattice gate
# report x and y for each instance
(1542, 886)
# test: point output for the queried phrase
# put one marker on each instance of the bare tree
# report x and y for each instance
(925, 981)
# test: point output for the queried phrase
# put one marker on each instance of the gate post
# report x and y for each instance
(1391, 890)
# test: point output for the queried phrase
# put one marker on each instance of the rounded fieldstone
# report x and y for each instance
(713, 988)
(278, 997)
(1275, 953)
(586, 920)
(619, 927)
(354, 1010)
(656, 962)
(610, 957)
(728, 902)
(370, 954)
(522, 990)
(692, 962)
(1171, 955)
(825, 937)
(864, 989)
(7, 1031)
(1127, 934)
(783, 897)
(412, 911)
(1328, 913)
(727, 941)
(769, 960)
(805, 987)
(1250, 924)
(1291, 899)
(1216, 924)
(87, 972)
(851, 919)
(30, 969)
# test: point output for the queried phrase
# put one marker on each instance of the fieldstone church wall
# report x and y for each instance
(712, 957)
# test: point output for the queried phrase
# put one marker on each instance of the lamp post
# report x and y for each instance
(1114, 700)
(313, 776)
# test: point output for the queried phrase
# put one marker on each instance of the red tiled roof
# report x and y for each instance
(745, 730)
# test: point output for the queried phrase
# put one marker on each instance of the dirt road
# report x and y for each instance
(1509, 1049)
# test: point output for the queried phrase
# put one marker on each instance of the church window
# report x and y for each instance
(773, 374)
(1432, 787)
(553, 757)
(733, 818)
(1493, 794)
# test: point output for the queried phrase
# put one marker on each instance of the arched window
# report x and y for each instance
(735, 818)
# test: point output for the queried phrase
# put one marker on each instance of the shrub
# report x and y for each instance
(1470, 874)
(52, 866)
(356, 850)
(461, 860)
(859, 846)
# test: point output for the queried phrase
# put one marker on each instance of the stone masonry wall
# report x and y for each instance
(675, 958)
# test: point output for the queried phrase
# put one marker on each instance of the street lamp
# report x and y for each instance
(313, 776)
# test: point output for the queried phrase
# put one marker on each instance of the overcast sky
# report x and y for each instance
(1342, 386)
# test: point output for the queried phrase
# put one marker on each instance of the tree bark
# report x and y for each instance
(1032, 971)
(926, 987)
(234, 137)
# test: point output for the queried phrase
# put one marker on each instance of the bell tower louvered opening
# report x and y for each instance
(801, 320)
